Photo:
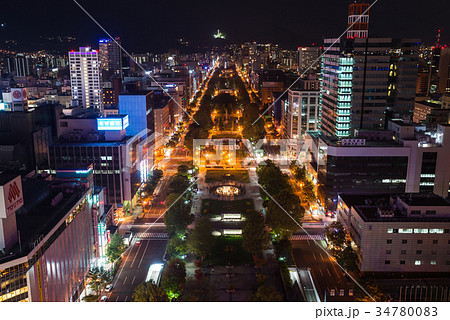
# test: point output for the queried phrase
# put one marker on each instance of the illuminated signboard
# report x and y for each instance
(11, 197)
(232, 232)
(118, 123)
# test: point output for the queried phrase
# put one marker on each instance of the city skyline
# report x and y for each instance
(301, 25)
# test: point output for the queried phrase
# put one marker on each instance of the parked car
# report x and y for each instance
(104, 299)
(350, 292)
(332, 292)
(108, 287)
(341, 292)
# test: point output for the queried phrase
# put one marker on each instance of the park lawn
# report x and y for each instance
(212, 207)
(218, 175)
(228, 250)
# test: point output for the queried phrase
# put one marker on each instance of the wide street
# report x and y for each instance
(149, 228)
(326, 273)
(134, 267)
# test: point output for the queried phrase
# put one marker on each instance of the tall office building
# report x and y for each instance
(299, 113)
(308, 60)
(358, 20)
(85, 78)
(110, 56)
(444, 71)
(366, 82)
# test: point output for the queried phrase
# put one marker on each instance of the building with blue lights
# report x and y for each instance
(120, 162)
(366, 82)
(149, 112)
(403, 159)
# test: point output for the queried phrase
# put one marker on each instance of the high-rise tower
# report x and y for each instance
(110, 55)
(358, 20)
(85, 78)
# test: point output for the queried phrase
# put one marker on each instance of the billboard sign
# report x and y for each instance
(11, 197)
(18, 94)
(112, 123)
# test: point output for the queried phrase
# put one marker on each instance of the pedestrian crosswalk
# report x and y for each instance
(152, 235)
(307, 237)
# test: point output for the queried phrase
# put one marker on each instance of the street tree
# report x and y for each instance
(177, 247)
(177, 216)
(335, 236)
(201, 241)
(254, 132)
(149, 292)
(90, 298)
(266, 294)
(173, 278)
(308, 191)
(178, 184)
(348, 258)
(284, 215)
(255, 237)
(98, 279)
(271, 179)
(115, 247)
(299, 173)
(372, 288)
(182, 170)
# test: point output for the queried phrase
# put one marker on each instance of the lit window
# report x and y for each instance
(418, 262)
(433, 262)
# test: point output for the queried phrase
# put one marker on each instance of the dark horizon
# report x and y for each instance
(155, 27)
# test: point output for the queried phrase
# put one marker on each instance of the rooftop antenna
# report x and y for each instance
(438, 39)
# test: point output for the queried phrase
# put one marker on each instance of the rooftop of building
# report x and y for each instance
(368, 206)
(433, 104)
(426, 200)
(87, 115)
(64, 142)
(41, 212)
(402, 123)
(338, 142)
(6, 177)
(136, 93)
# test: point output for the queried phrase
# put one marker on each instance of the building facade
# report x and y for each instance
(366, 82)
(404, 234)
(396, 161)
(56, 248)
(85, 78)
(300, 113)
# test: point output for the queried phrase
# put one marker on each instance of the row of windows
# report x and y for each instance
(417, 262)
(417, 251)
(419, 230)
(419, 241)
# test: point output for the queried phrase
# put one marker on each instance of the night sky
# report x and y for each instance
(154, 26)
